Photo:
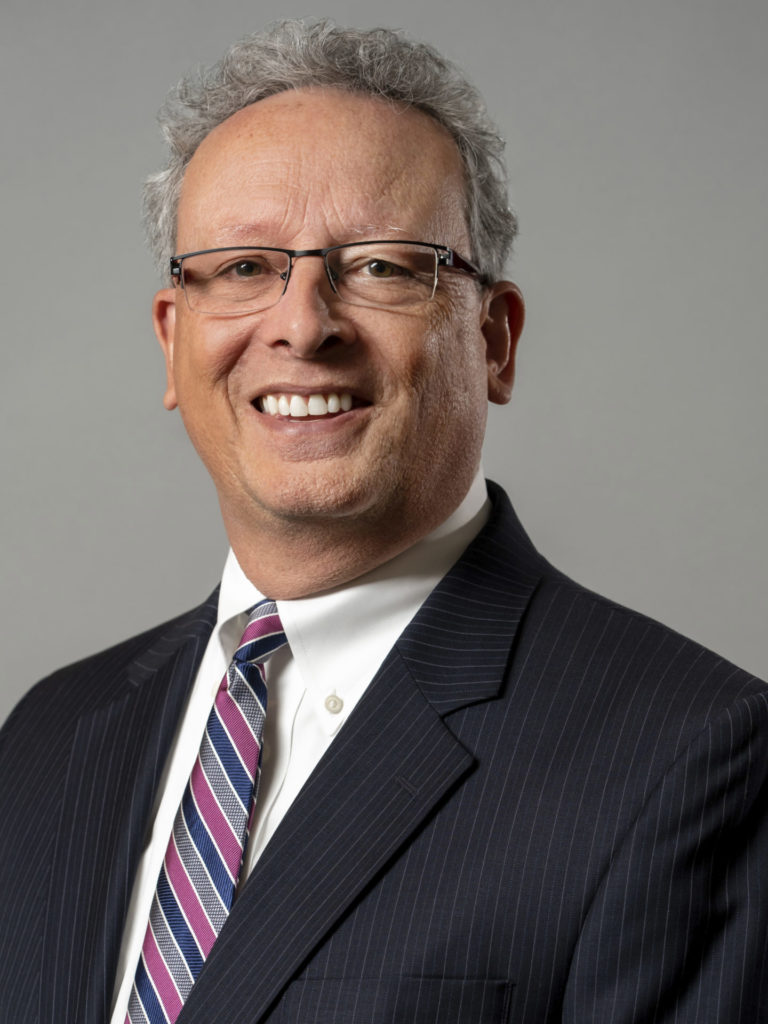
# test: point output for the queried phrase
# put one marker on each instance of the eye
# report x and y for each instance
(383, 269)
(245, 268)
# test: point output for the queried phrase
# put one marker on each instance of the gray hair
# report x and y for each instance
(380, 62)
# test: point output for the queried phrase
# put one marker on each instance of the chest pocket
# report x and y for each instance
(398, 1000)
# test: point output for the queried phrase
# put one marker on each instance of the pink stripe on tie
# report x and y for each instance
(239, 732)
(262, 627)
(188, 900)
(160, 977)
(219, 828)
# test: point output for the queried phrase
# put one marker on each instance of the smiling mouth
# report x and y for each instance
(296, 406)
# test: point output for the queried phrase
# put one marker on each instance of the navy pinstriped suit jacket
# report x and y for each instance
(545, 808)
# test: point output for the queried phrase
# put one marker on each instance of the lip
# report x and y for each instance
(312, 437)
(312, 434)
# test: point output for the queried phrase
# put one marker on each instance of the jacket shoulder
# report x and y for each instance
(98, 678)
(569, 631)
(634, 660)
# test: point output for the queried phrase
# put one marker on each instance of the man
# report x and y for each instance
(486, 794)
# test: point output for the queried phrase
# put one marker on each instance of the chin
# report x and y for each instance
(323, 497)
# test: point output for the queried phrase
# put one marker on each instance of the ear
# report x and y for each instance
(164, 320)
(502, 326)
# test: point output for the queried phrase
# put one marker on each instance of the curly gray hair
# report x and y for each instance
(381, 62)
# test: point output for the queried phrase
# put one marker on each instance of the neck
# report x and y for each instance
(293, 559)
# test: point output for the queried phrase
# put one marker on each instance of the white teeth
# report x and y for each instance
(300, 406)
(317, 405)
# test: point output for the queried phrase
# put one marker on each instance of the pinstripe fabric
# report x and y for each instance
(101, 730)
(544, 809)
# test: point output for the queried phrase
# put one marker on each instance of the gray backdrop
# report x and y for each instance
(635, 445)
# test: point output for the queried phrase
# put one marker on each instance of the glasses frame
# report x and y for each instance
(445, 257)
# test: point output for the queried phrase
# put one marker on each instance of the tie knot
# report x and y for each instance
(262, 636)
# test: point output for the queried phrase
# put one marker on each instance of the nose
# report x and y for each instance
(309, 316)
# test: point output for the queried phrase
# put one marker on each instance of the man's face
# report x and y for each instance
(308, 169)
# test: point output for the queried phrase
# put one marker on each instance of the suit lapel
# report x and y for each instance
(117, 757)
(457, 647)
(382, 777)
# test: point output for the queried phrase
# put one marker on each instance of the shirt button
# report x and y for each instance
(333, 704)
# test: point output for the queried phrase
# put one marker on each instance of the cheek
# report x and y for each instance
(428, 350)
(206, 358)
(454, 370)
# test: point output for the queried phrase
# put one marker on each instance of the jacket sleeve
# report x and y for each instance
(678, 927)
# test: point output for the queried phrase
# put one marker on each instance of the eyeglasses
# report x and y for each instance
(248, 279)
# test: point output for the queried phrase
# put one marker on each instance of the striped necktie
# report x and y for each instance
(197, 882)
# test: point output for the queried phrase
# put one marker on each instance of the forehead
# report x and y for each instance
(322, 160)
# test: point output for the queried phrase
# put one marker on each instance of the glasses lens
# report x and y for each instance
(384, 273)
(235, 280)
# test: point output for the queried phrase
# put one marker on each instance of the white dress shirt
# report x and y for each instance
(336, 642)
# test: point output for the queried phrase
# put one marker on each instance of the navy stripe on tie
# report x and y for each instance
(149, 1001)
(230, 762)
(177, 966)
(263, 645)
(207, 849)
(178, 924)
(245, 679)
